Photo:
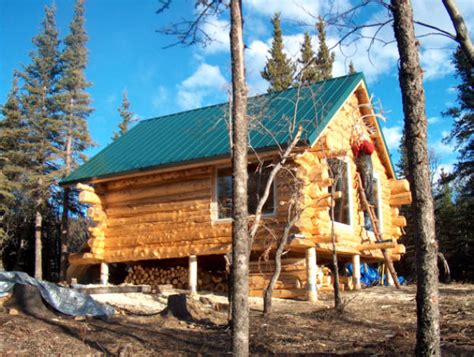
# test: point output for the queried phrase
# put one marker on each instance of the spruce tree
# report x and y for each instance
(324, 59)
(309, 71)
(40, 107)
(279, 70)
(126, 115)
(75, 108)
(463, 126)
(462, 243)
(12, 158)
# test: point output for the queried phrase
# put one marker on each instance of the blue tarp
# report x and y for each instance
(370, 276)
(67, 301)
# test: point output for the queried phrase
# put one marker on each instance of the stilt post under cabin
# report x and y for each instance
(356, 272)
(390, 281)
(193, 274)
(104, 274)
(311, 272)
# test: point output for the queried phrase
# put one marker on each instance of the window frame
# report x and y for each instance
(215, 204)
(339, 225)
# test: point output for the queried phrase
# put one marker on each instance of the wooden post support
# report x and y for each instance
(311, 273)
(356, 272)
(193, 274)
(104, 274)
(390, 281)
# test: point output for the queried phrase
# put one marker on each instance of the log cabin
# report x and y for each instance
(163, 191)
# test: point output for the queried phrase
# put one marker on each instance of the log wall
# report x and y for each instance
(172, 214)
(315, 222)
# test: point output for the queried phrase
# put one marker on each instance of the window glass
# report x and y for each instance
(256, 186)
(338, 171)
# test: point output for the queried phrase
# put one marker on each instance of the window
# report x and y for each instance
(256, 185)
(339, 171)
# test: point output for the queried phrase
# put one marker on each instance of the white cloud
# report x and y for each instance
(442, 149)
(206, 80)
(433, 120)
(218, 31)
(305, 11)
(446, 168)
(255, 59)
(392, 136)
(159, 98)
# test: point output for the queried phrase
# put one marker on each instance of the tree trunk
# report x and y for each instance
(410, 76)
(65, 216)
(267, 299)
(462, 35)
(240, 249)
(38, 246)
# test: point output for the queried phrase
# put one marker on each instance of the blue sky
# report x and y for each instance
(126, 53)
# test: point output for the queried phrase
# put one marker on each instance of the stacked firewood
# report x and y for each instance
(154, 276)
(176, 276)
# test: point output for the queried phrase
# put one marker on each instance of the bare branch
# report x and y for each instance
(271, 178)
(462, 35)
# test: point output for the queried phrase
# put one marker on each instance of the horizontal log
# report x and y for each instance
(399, 186)
(166, 207)
(204, 194)
(171, 238)
(175, 188)
(203, 215)
(400, 249)
(143, 253)
(301, 243)
(374, 246)
(82, 259)
(400, 199)
(89, 198)
(96, 213)
(180, 228)
(157, 178)
(399, 221)
(82, 187)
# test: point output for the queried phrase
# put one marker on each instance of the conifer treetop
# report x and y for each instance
(324, 59)
(309, 72)
(279, 70)
(126, 115)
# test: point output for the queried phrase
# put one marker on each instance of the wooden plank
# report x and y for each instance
(112, 289)
(377, 245)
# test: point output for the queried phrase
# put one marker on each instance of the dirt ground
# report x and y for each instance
(376, 321)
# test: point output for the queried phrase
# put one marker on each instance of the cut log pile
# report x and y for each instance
(176, 276)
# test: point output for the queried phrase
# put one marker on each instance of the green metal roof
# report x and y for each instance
(202, 133)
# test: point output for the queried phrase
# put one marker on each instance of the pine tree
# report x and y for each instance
(126, 116)
(352, 69)
(75, 108)
(324, 59)
(279, 70)
(309, 74)
(12, 159)
(39, 103)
